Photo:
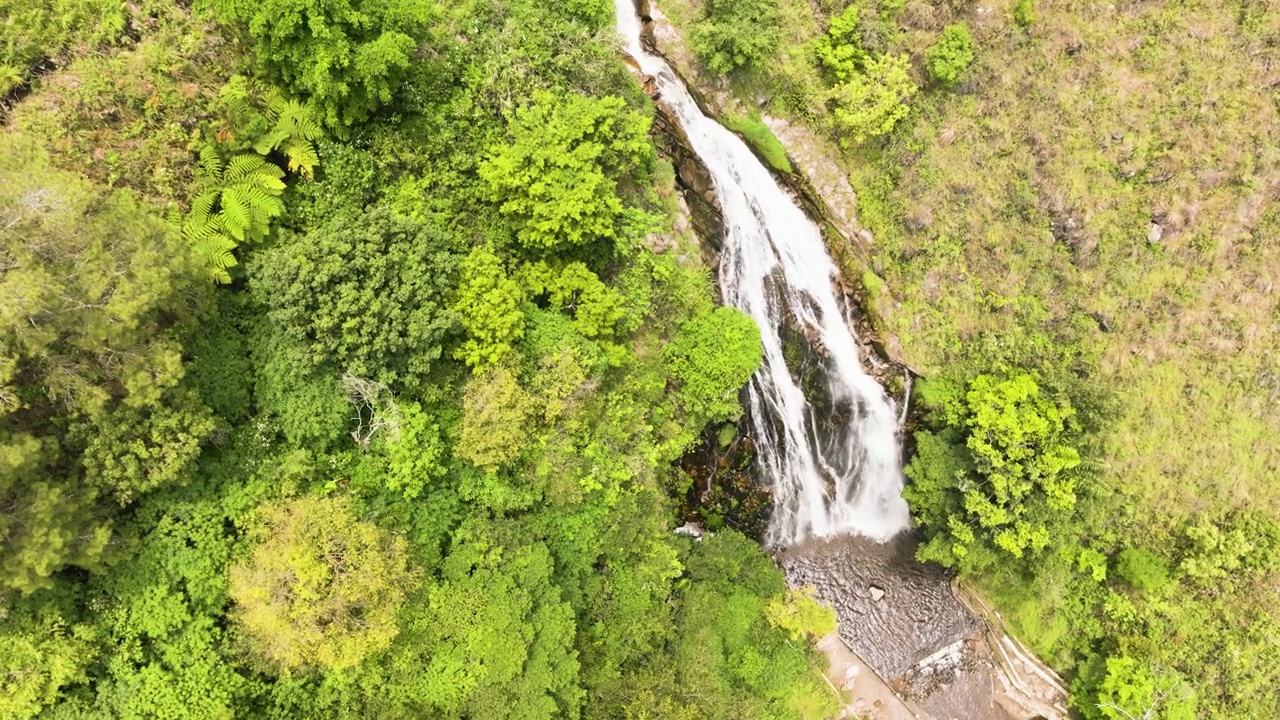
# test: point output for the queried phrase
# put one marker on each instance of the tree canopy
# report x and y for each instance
(365, 295)
(348, 57)
(332, 381)
(558, 177)
(322, 589)
(714, 356)
(998, 475)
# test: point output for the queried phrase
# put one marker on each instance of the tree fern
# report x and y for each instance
(205, 232)
(241, 194)
(241, 200)
(294, 133)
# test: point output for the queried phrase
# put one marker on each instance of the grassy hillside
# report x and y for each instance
(1090, 198)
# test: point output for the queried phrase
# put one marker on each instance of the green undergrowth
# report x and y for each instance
(406, 457)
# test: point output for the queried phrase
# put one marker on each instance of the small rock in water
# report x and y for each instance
(877, 593)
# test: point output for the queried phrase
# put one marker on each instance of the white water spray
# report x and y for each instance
(833, 470)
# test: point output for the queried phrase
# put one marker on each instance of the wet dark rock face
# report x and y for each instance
(902, 618)
(692, 176)
(723, 490)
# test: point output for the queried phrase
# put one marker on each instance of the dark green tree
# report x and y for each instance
(735, 34)
(365, 295)
(347, 56)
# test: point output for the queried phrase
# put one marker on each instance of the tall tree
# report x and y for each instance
(558, 178)
(91, 284)
(322, 588)
(347, 56)
(364, 295)
(997, 473)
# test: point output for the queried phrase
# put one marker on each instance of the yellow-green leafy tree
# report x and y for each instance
(321, 589)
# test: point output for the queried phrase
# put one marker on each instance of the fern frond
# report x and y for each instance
(237, 95)
(244, 165)
(268, 182)
(210, 164)
(263, 199)
(216, 254)
(265, 144)
(275, 102)
(202, 206)
(196, 231)
(302, 157)
(237, 219)
(298, 120)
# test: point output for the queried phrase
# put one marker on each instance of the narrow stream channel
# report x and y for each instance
(827, 433)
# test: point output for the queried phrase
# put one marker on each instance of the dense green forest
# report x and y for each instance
(1076, 225)
(347, 350)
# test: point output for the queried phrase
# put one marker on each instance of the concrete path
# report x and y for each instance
(866, 695)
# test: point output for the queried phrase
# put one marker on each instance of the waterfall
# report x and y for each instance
(832, 457)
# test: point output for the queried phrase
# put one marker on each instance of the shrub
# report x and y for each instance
(736, 34)
(1023, 14)
(947, 60)
(998, 475)
(713, 356)
(1142, 569)
(871, 103)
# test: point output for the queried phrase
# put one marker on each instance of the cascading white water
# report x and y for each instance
(835, 473)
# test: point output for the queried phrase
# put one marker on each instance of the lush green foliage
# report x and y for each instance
(736, 34)
(89, 368)
(872, 102)
(364, 295)
(713, 357)
(322, 588)
(409, 462)
(348, 58)
(557, 180)
(1131, 690)
(951, 55)
(998, 475)
(489, 305)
